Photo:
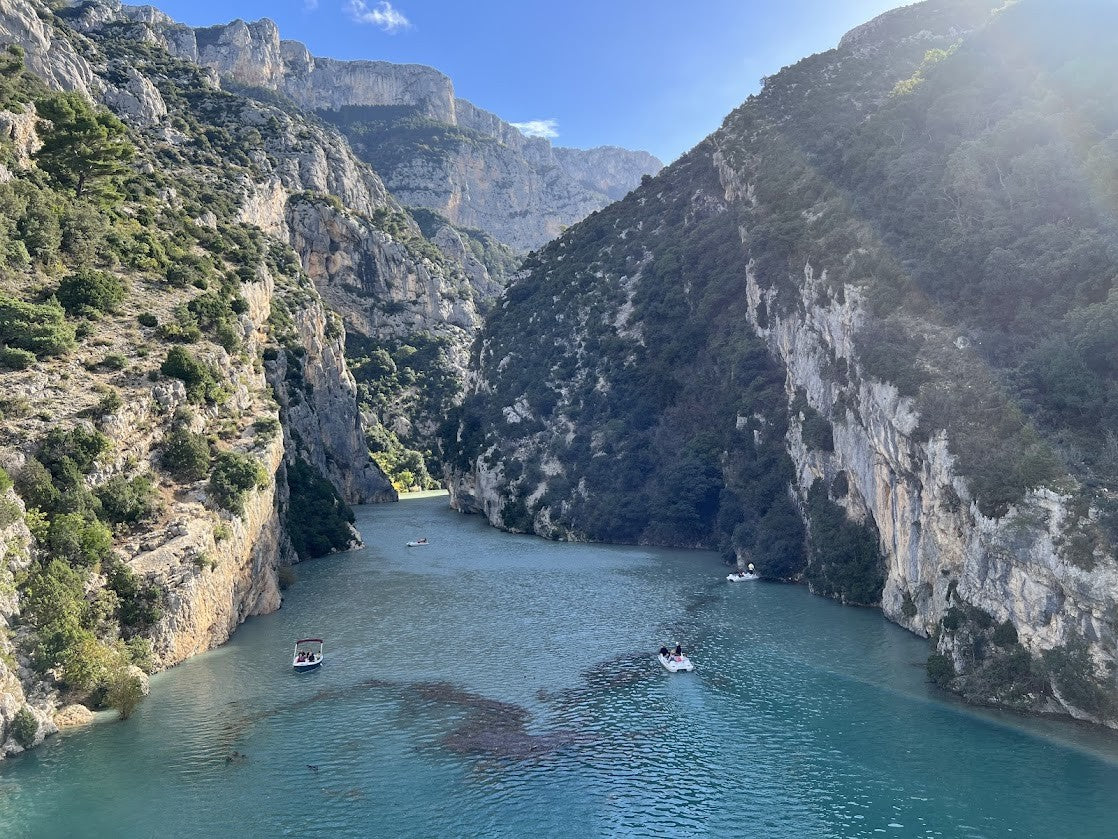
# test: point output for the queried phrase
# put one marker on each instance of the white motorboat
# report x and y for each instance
(676, 663)
(740, 577)
(307, 655)
(418, 543)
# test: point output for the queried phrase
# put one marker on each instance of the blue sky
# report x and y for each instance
(647, 74)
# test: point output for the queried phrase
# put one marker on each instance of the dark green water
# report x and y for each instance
(494, 685)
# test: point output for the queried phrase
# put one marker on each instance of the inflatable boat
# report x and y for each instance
(676, 663)
(742, 577)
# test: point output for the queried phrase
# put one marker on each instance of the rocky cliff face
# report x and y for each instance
(489, 176)
(938, 547)
(286, 395)
(898, 444)
(607, 169)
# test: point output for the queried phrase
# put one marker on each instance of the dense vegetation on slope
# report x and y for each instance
(139, 277)
(967, 189)
(631, 427)
(977, 199)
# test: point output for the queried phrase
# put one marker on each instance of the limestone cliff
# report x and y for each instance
(260, 383)
(486, 174)
(829, 340)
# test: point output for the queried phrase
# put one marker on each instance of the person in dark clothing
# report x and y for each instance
(678, 650)
(664, 652)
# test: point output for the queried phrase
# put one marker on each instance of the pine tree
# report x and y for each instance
(81, 143)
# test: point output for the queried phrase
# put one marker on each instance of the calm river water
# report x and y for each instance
(491, 685)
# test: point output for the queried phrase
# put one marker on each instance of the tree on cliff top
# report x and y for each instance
(81, 144)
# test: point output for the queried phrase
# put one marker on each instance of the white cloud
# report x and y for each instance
(383, 15)
(310, 5)
(548, 128)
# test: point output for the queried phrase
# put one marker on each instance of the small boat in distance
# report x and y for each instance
(741, 576)
(675, 662)
(307, 655)
(419, 543)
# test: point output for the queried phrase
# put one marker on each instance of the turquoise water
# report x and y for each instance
(496, 685)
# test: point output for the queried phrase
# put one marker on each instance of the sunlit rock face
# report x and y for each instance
(487, 175)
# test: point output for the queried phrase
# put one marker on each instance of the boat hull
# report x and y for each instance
(736, 578)
(671, 664)
(304, 666)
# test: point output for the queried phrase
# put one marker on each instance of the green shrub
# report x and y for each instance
(198, 378)
(1010, 675)
(36, 486)
(1005, 635)
(87, 664)
(186, 455)
(13, 358)
(147, 319)
(52, 601)
(816, 431)
(90, 290)
(124, 692)
(213, 313)
(941, 669)
(953, 619)
(180, 333)
(1073, 672)
(127, 501)
(234, 474)
(266, 427)
(79, 539)
(5, 481)
(79, 446)
(9, 512)
(845, 559)
(113, 361)
(908, 606)
(41, 329)
(140, 653)
(25, 728)
(141, 603)
(982, 619)
(110, 403)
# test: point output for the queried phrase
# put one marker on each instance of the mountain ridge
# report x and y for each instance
(557, 190)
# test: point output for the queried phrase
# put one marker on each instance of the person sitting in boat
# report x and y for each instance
(678, 652)
(664, 652)
(301, 657)
(423, 540)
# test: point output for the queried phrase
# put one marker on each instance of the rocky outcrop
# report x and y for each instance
(216, 578)
(522, 198)
(382, 285)
(608, 170)
(939, 549)
(517, 188)
(214, 568)
(320, 413)
(320, 83)
(49, 52)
